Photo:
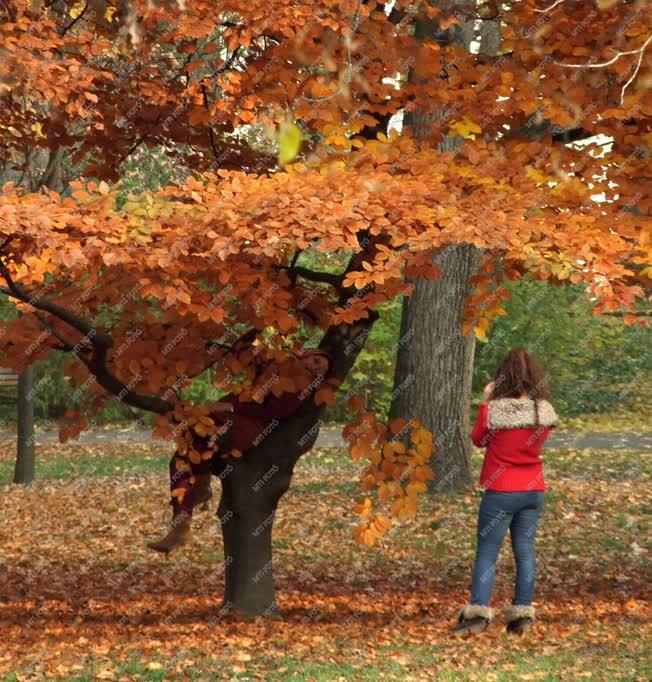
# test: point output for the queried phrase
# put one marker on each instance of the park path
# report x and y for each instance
(331, 436)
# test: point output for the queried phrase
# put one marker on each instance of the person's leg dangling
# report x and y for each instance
(182, 499)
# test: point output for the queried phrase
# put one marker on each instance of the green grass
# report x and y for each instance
(398, 661)
(559, 463)
(78, 461)
(96, 464)
(74, 460)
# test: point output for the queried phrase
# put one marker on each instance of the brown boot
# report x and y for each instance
(178, 535)
(202, 490)
(473, 618)
(519, 618)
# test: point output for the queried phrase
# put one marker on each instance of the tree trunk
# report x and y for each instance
(252, 485)
(24, 470)
(434, 362)
(434, 365)
(250, 496)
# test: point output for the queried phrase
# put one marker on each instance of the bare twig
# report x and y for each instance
(598, 65)
(551, 7)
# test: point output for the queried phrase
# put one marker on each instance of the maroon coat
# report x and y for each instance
(250, 419)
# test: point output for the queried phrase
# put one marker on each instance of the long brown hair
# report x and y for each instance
(517, 374)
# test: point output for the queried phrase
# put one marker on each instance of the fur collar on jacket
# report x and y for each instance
(517, 413)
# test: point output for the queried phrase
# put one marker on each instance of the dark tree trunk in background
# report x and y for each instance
(24, 470)
(434, 363)
(41, 168)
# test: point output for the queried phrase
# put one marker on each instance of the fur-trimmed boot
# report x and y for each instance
(519, 618)
(178, 534)
(473, 618)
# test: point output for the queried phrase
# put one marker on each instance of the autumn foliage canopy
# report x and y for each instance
(279, 111)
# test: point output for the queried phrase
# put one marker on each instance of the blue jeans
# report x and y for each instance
(518, 511)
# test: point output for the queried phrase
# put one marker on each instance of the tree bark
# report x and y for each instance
(24, 469)
(250, 496)
(434, 365)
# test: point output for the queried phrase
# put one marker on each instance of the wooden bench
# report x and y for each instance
(8, 377)
(8, 384)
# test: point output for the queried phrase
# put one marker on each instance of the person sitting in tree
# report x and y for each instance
(242, 423)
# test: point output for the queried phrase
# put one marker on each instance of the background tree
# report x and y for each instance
(25, 454)
(434, 361)
(148, 291)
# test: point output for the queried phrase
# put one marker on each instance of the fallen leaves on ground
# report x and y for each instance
(81, 592)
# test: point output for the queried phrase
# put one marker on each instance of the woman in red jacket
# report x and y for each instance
(513, 421)
(247, 424)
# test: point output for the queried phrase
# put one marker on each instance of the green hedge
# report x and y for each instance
(593, 362)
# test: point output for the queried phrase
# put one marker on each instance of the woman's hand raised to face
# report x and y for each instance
(486, 393)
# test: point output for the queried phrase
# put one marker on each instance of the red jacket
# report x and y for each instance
(513, 436)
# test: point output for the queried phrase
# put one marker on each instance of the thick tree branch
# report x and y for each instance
(65, 29)
(100, 343)
(67, 345)
(40, 303)
(109, 382)
(293, 266)
(313, 276)
(344, 341)
(246, 338)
